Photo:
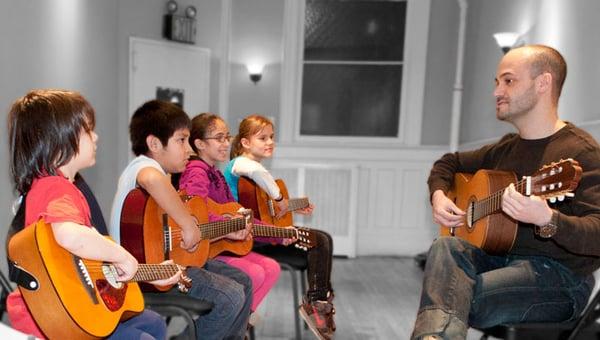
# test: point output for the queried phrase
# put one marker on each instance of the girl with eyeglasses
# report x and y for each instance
(210, 140)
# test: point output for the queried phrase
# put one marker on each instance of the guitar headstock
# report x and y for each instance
(305, 238)
(185, 282)
(556, 180)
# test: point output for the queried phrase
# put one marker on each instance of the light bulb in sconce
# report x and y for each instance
(507, 40)
(255, 71)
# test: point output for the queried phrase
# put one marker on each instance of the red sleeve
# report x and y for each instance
(56, 199)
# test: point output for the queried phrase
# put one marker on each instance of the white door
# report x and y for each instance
(171, 70)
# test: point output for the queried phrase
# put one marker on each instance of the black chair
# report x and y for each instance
(289, 261)
(5, 289)
(169, 305)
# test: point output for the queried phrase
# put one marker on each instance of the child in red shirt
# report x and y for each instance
(52, 138)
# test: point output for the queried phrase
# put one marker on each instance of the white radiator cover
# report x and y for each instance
(372, 201)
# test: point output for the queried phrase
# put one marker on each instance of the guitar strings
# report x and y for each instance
(145, 272)
(493, 202)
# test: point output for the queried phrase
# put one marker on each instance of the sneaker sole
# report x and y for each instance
(306, 319)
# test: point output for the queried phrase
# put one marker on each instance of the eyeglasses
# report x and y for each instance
(220, 138)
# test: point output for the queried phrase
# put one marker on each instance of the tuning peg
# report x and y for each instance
(570, 194)
(552, 199)
(561, 198)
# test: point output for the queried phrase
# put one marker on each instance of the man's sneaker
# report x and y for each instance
(319, 318)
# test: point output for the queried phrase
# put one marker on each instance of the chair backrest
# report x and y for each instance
(5, 289)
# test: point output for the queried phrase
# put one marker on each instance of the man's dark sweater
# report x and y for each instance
(577, 241)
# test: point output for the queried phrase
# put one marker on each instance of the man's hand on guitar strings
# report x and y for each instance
(527, 209)
(445, 212)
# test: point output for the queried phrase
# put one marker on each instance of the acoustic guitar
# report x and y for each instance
(305, 239)
(251, 196)
(480, 196)
(74, 298)
(152, 236)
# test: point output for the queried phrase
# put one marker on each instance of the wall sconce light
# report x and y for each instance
(507, 40)
(255, 71)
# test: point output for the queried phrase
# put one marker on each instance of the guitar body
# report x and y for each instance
(253, 197)
(224, 245)
(143, 232)
(494, 233)
(63, 305)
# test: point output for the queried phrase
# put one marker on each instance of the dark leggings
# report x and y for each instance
(319, 262)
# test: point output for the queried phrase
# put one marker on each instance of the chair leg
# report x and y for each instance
(251, 335)
(303, 281)
(296, 305)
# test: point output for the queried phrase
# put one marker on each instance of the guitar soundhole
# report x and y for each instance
(469, 218)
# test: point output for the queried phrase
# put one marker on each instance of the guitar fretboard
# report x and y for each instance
(271, 231)
(216, 229)
(293, 204)
(297, 203)
(151, 272)
(493, 203)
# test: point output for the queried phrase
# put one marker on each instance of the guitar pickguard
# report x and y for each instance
(112, 297)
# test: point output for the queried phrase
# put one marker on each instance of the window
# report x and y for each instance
(354, 71)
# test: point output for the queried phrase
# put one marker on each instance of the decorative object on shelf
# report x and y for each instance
(178, 27)
(255, 71)
(508, 40)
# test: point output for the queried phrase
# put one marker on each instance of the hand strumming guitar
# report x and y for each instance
(444, 211)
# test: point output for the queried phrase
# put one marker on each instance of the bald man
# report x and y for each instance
(547, 274)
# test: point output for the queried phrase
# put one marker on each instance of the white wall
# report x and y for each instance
(256, 36)
(143, 18)
(569, 26)
(67, 44)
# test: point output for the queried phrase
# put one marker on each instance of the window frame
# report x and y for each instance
(412, 88)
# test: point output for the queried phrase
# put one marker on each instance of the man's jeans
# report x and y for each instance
(463, 286)
(230, 291)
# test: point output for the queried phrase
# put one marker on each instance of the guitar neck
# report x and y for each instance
(493, 203)
(272, 231)
(217, 229)
(297, 203)
(151, 272)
